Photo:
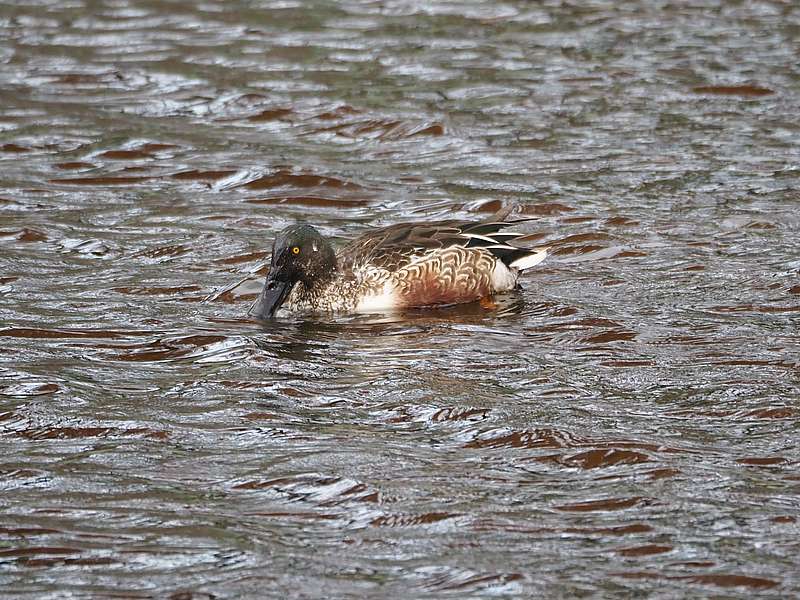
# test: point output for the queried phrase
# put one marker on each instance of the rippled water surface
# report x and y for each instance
(625, 424)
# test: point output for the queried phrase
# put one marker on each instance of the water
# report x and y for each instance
(626, 424)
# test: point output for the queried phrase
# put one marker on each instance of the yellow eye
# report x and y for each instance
(296, 250)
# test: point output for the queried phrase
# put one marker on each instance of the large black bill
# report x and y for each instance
(271, 298)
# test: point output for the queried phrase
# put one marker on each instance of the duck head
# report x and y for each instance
(300, 255)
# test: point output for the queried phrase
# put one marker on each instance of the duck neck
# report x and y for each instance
(317, 280)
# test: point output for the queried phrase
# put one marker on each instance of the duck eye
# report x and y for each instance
(295, 249)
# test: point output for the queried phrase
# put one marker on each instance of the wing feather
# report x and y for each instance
(394, 247)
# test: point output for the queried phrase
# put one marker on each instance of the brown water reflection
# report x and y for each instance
(624, 425)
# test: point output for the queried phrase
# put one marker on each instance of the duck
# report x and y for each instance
(401, 266)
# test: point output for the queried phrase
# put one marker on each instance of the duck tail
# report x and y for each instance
(530, 258)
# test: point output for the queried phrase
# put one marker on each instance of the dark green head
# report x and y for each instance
(299, 255)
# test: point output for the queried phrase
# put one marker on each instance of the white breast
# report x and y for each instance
(382, 300)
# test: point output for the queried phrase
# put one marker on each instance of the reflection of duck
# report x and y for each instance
(400, 266)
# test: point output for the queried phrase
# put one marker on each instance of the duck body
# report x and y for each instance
(396, 267)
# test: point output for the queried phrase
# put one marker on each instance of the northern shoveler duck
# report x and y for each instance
(400, 266)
